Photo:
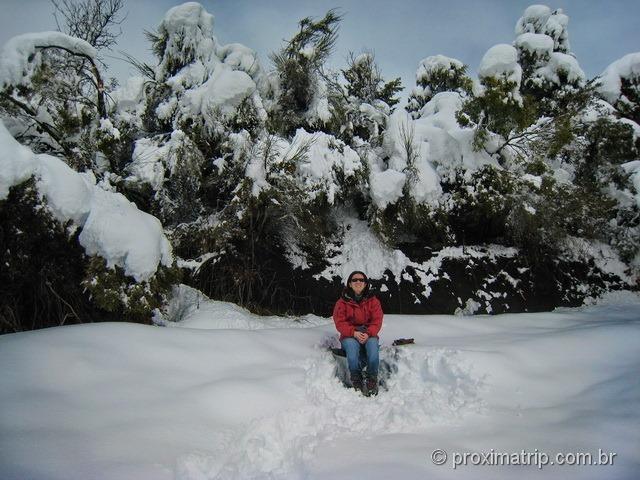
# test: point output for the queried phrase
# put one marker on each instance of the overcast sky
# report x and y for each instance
(400, 32)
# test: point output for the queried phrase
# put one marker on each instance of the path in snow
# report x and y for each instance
(429, 387)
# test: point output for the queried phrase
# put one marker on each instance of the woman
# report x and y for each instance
(358, 318)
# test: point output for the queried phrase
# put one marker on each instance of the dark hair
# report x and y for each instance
(355, 273)
(348, 291)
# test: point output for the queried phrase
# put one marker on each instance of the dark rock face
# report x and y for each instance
(499, 285)
(472, 284)
(479, 279)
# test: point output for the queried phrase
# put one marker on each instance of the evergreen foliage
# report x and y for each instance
(299, 66)
(250, 172)
(362, 102)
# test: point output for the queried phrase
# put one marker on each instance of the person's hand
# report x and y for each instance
(361, 336)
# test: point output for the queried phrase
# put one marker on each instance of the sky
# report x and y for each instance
(399, 33)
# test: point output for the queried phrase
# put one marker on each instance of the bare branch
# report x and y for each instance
(95, 21)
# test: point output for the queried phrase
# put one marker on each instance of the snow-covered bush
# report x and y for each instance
(437, 74)
(198, 82)
(256, 177)
(41, 266)
(125, 299)
(541, 20)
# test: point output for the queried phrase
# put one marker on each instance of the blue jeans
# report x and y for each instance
(360, 355)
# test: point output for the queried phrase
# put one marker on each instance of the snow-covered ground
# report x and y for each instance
(230, 395)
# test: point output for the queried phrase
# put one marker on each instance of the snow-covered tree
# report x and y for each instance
(199, 83)
(498, 108)
(261, 180)
(550, 72)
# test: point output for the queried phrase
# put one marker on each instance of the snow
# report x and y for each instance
(308, 51)
(627, 67)
(189, 31)
(363, 58)
(17, 59)
(562, 63)
(537, 43)
(112, 226)
(223, 91)
(68, 193)
(207, 79)
(633, 170)
(319, 160)
(230, 400)
(125, 236)
(240, 57)
(601, 254)
(17, 162)
(386, 187)
(429, 65)
(129, 97)
(438, 147)
(403, 132)
(147, 161)
(501, 61)
(324, 155)
(356, 247)
(533, 179)
(319, 107)
(540, 19)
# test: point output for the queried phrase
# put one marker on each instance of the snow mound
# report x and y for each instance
(17, 162)
(386, 187)
(190, 308)
(562, 64)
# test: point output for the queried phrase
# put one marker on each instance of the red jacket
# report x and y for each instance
(348, 314)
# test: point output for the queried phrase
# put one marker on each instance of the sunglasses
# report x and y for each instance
(358, 280)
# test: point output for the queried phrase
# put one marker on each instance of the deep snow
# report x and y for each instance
(226, 394)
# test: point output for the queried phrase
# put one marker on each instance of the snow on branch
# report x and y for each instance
(112, 226)
(20, 58)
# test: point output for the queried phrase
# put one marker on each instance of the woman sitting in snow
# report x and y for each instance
(358, 318)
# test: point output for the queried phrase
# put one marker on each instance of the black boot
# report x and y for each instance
(372, 386)
(356, 380)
